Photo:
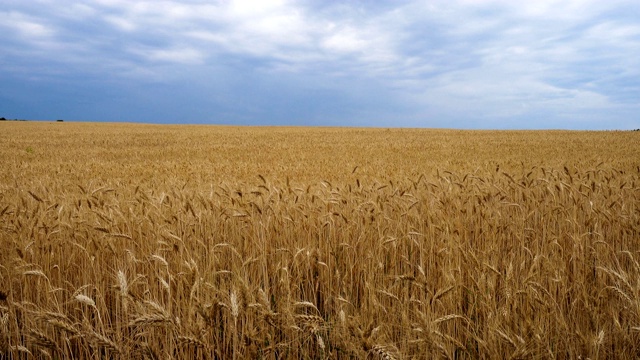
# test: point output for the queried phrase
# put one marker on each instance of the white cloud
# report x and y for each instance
(179, 55)
(27, 27)
(345, 41)
(614, 34)
(77, 11)
(249, 9)
(121, 23)
(496, 58)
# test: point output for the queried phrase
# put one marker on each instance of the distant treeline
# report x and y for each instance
(5, 119)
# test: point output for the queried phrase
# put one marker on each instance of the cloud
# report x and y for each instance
(178, 55)
(518, 56)
(465, 59)
(25, 29)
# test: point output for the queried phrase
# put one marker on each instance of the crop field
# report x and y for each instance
(128, 241)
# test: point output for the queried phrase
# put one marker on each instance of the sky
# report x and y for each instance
(495, 64)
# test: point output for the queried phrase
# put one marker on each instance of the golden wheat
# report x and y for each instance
(141, 241)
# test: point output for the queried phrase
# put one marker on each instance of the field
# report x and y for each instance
(130, 241)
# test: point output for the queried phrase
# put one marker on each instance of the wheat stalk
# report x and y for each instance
(102, 342)
(4, 332)
(151, 320)
(43, 340)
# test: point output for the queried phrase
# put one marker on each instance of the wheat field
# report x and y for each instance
(129, 241)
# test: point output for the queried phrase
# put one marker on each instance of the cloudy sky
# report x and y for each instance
(502, 64)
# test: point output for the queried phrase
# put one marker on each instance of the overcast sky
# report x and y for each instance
(501, 64)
